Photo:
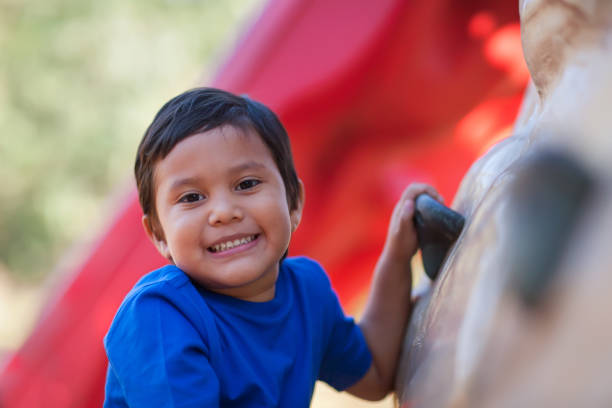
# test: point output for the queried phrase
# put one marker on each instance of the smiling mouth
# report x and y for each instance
(225, 246)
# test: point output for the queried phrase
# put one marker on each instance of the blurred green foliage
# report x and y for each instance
(79, 82)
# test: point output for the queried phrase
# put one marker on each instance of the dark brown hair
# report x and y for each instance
(202, 109)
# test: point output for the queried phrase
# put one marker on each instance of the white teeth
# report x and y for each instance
(231, 244)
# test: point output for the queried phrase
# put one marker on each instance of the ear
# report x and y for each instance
(296, 213)
(156, 235)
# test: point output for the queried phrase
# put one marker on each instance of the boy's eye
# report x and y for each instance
(191, 198)
(247, 184)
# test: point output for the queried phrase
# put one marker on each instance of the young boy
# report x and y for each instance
(231, 321)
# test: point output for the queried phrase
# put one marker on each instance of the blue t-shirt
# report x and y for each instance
(173, 343)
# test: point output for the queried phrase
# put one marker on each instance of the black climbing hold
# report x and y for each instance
(438, 227)
(547, 198)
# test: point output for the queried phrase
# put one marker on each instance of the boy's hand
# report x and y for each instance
(386, 314)
(402, 242)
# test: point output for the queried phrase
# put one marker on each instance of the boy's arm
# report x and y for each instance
(388, 308)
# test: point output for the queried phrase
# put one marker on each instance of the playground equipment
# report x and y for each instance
(519, 315)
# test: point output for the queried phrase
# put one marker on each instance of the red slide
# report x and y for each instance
(374, 95)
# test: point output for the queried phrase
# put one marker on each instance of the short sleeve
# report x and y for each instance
(347, 357)
(157, 357)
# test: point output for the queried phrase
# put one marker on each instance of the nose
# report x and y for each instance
(223, 210)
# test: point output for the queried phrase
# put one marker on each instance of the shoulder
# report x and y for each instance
(166, 276)
(165, 291)
(305, 267)
(307, 271)
(302, 263)
(165, 282)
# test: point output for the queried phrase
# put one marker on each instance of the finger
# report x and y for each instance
(434, 193)
(407, 210)
(415, 189)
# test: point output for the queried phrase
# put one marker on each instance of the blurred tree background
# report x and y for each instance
(79, 82)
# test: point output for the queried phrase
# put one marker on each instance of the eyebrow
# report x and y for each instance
(183, 182)
(251, 164)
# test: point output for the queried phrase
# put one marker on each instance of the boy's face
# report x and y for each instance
(223, 212)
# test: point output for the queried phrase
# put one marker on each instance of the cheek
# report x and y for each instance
(276, 214)
(284, 225)
(181, 228)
